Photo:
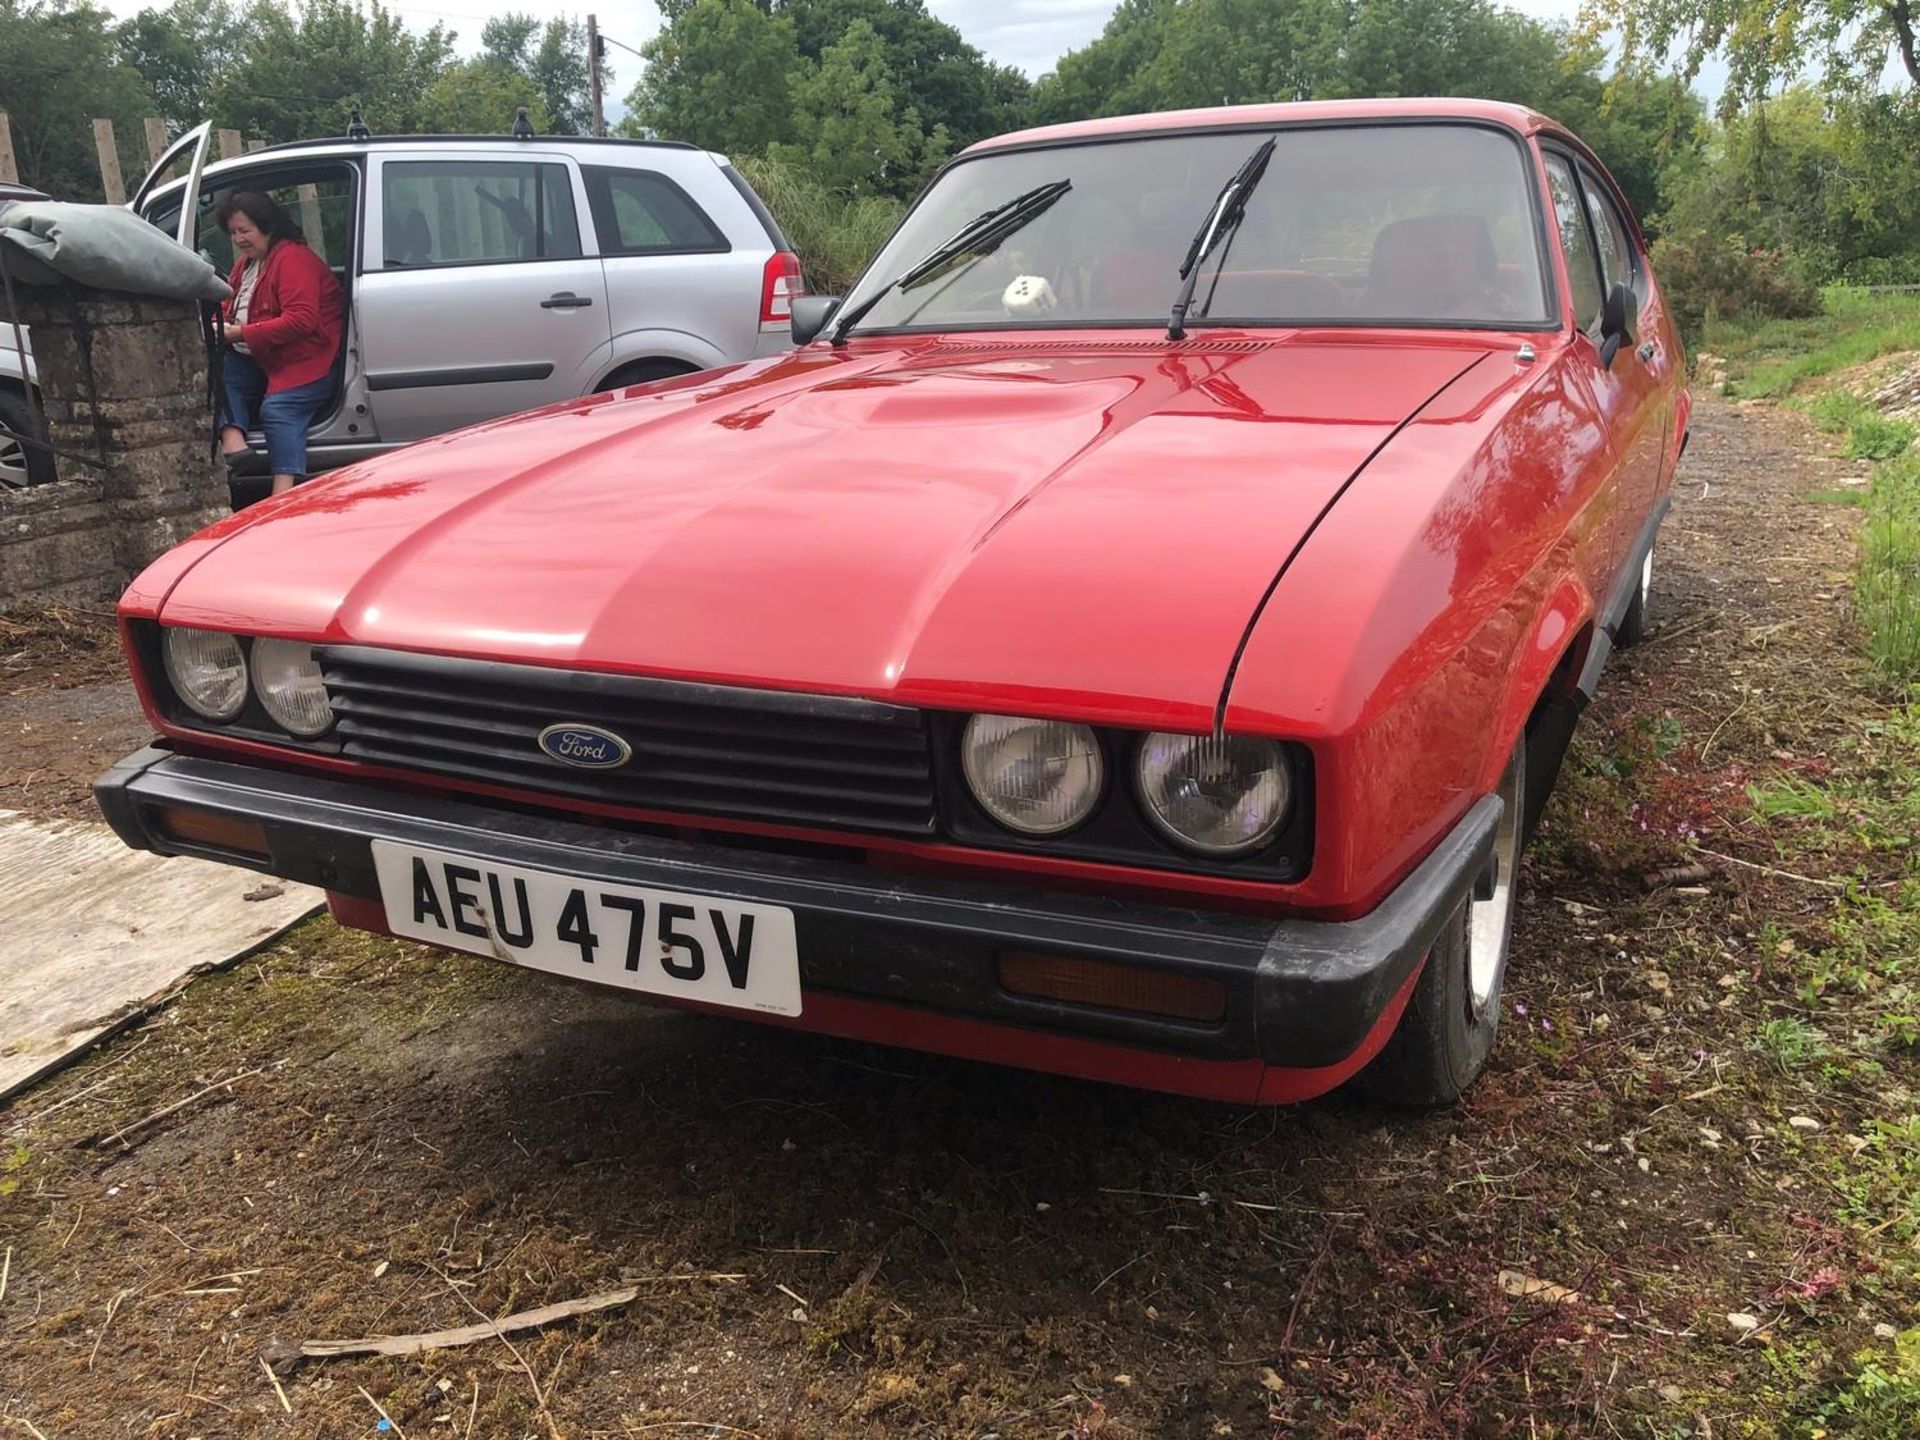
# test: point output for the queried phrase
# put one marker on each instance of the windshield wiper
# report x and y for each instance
(1227, 213)
(982, 232)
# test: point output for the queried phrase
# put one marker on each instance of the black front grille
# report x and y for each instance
(702, 749)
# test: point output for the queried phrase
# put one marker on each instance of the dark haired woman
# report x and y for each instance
(283, 324)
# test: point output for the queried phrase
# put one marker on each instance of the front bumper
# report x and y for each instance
(1306, 996)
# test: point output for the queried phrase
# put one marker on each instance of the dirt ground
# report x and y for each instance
(831, 1239)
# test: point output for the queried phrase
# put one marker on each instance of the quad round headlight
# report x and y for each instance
(286, 677)
(208, 671)
(1219, 795)
(1037, 777)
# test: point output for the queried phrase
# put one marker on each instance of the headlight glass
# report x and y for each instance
(1219, 795)
(286, 677)
(1038, 777)
(208, 671)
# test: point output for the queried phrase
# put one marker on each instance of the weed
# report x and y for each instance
(1791, 1043)
(1791, 797)
(1879, 1400)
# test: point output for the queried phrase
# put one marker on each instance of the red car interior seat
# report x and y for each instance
(1433, 265)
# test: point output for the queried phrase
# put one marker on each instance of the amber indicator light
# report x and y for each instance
(1077, 980)
(217, 832)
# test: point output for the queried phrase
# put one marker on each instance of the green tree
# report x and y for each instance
(858, 135)
(719, 75)
(553, 58)
(1765, 41)
(179, 50)
(1831, 185)
(480, 97)
(1166, 54)
(59, 69)
(301, 73)
(948, 83)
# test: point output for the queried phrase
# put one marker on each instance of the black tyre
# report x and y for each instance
(1448, 1028)
(1633, 625)
(20, 463)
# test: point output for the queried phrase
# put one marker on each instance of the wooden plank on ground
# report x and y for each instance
(96, 933)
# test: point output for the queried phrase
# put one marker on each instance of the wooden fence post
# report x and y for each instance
(8, 170)
(109, 152)
(156, 138)
(229, 144)
(310, 221)
(253, 145)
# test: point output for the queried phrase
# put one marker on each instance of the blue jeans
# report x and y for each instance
(284, 415)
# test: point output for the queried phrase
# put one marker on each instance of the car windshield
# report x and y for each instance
(1355, 225)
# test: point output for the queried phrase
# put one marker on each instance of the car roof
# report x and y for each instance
(1216, 117)
(340, 145)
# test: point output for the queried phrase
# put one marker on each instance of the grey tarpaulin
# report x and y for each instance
(43, 242)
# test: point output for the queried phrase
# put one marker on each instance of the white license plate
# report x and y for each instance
(689, 947)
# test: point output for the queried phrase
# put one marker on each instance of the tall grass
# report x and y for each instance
(835, 234)
(1887, 590)
(1770, 359)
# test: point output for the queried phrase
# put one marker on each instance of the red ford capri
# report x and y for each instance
(1131, 636)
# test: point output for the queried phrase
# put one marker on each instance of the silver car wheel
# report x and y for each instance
(13, 461)
(1490, 920)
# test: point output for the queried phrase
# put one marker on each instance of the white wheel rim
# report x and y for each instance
(13, 460)
(1490, 921)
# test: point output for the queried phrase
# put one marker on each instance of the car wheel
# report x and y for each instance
(20, 464)
(1448, 1027)
(1633, 624)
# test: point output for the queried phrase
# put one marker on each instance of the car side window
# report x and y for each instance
(1576, 239)
(638, 212)
(1617, 261)
(476, 212)
(320, 202)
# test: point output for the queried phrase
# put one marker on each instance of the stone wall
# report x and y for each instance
(122, 382)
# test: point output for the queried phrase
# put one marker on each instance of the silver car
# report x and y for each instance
(19, 464)
(490, 274)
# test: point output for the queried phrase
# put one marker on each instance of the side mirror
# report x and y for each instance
(1619, 313)
(810, 315)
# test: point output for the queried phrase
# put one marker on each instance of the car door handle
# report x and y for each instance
(565, 300)
(1647, 351)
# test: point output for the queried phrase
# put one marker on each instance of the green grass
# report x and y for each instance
(1770, 359)
(1870, 435)
(1887, 589)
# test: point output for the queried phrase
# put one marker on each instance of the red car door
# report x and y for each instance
(1645, 367)
(1626, 393)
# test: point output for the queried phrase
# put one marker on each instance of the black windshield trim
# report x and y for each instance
(1529, 164)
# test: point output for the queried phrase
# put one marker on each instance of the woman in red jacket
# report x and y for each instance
(283, 324)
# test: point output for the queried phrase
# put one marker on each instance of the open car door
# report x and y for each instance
(195, 141)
